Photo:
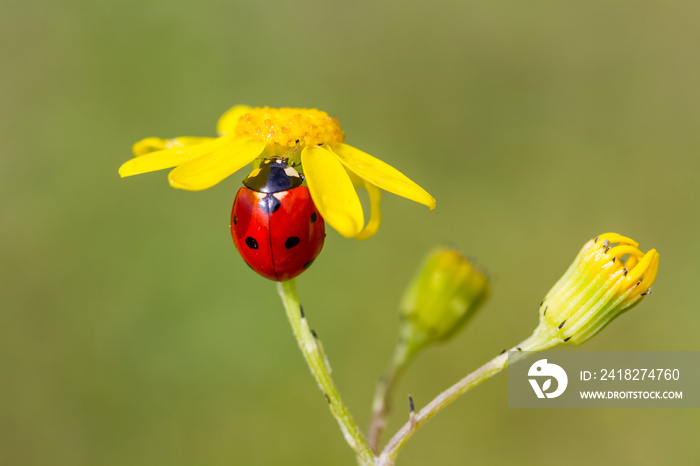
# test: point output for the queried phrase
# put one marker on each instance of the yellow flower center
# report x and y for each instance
(290, 126)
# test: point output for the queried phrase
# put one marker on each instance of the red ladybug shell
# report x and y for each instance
(282, 244)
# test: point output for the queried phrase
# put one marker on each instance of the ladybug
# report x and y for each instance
(275, 224)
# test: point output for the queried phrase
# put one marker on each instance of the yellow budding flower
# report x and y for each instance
(308, 136)
(445, 293)
(608, 277)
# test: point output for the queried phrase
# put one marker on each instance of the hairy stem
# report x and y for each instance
(316, 359)
(534, 343)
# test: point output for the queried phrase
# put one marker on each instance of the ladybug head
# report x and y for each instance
(273, 175)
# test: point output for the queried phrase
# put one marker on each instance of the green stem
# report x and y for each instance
(381, 405)
(537, 342)
(315, 358)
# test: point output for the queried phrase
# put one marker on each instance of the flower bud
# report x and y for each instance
(608, 277)
(446, 292)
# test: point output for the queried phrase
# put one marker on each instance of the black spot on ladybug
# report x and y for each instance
(250, 241)
(291, 242)
(235, 221)
(306, 266)
(269, 204)
(314, 217)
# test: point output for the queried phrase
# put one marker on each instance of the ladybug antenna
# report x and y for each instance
(275, 159)
(288, 155)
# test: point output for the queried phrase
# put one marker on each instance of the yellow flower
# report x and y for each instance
(608, 277)
(309, 136)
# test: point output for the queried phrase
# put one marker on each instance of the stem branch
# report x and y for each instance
(488, 370)
(381, 405)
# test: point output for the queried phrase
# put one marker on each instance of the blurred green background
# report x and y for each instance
(132, 334)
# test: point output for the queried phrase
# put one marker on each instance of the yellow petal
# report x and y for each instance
(645, 267)
(148, 145)
(381, 174)
(375, 218)
(616, 238)
(332, 191)
(166, 158)
(145, 146)
(184, 141)
(375, 196)
(356, 180)
(650, 273)
(209, 169)
(228, 121)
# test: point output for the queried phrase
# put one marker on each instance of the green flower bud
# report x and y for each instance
(445, 293)
(608, 277)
